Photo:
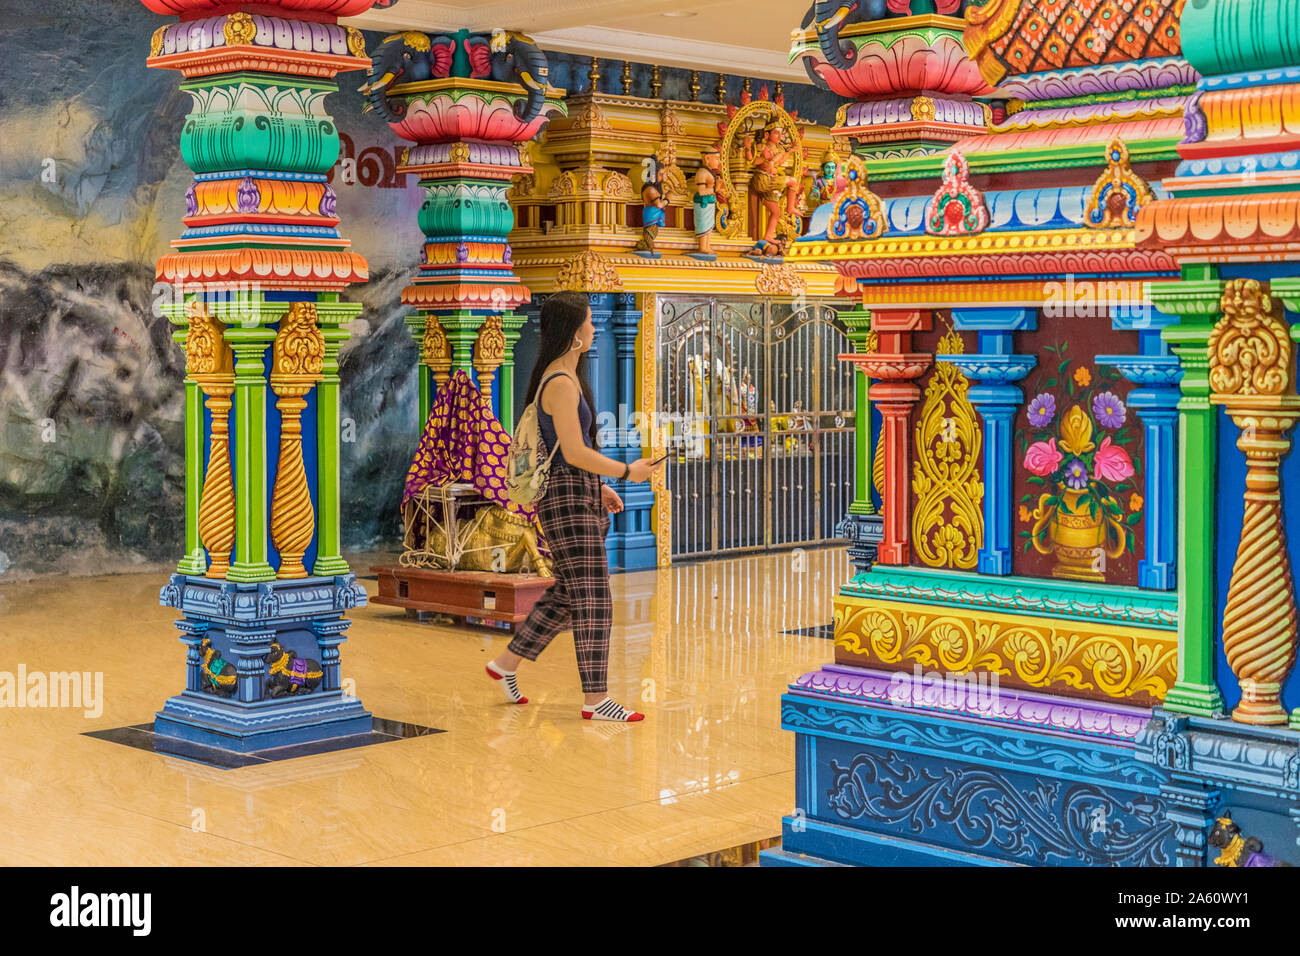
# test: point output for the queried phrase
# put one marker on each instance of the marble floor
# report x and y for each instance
(703, 649)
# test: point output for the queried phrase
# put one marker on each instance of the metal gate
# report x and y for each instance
(759, 419)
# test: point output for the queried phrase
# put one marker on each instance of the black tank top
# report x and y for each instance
(547, 424)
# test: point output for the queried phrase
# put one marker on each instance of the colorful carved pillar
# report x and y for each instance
(631, 539)
(895, 369)
(296, 364)
(1195, 300)
(210, 367)
(1157, 373)
(331, 317)
(861, 526)
(995, 367)
(435, 358)
(511, 323)
(489, 353)
(462, 330)
(1252, 374)
(195, 560)
(259, 267)
(602, 359)
(435, 91)
(858, 322)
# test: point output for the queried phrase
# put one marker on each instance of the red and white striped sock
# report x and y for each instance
(607, 709)
(509, 683)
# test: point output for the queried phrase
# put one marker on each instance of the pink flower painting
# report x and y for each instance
(1043, 457)
(1112, 462)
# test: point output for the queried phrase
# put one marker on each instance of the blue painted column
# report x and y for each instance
(995, 366)
(631, 540)
(1157, 372)
(602, 370)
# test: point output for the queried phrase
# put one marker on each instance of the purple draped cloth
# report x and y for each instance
(463, 442)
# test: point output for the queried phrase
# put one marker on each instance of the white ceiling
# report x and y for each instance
(744, 37)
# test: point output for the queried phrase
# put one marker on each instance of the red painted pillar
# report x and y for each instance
(893, 368)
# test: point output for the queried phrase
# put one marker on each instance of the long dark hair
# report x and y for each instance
(562, 316)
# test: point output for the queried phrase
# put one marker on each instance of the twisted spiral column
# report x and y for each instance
(1259, 617)
(217, 502)
(1252, 375)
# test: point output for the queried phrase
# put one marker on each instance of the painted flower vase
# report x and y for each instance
(1080, 540)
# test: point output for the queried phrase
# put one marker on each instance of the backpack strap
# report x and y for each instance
(537, 401)
(545, 381)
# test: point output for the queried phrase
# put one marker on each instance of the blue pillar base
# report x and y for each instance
(865, 532)
(249, 712)
(199, 718)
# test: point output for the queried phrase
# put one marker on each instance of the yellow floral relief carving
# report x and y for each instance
(948, 514)
(1121, 663)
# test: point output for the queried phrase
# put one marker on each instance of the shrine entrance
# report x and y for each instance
(759, 422)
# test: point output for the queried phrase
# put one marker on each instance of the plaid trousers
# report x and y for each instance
(575, 524)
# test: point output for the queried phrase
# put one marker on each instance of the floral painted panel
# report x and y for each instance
(1079, 469)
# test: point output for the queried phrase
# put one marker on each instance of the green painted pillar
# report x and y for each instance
(462, 329)
(196, 559)
(510, 324)
(332, 318)
(1196, 301)
(424, 377)
(249, 342)
(859, 325)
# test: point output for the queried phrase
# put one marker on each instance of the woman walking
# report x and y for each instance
(574, 513)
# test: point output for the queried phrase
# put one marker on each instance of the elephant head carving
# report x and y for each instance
(828, 17)
(404, 57)
(515, 57)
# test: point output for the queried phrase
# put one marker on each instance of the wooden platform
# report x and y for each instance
(480, 594)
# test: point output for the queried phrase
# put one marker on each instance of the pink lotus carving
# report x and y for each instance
(889, 366)
(1043, 457)
(447, 115)
(908, 64)
(289, 8)
(1112, 462)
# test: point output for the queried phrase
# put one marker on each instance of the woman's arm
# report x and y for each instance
(560, 401)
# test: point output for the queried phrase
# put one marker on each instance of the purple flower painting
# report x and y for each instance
(1042, 409)
(1076, 475)
(1108, 410)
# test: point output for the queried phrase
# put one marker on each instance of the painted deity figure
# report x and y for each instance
(652, 217)
(826, 183)
(707, 186)
(769, 186)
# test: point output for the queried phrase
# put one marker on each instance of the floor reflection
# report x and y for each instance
(704, 649)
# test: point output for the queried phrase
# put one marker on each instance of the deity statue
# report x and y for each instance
(769, 185)
(652, 217)
(826, 183)
(708, 182)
